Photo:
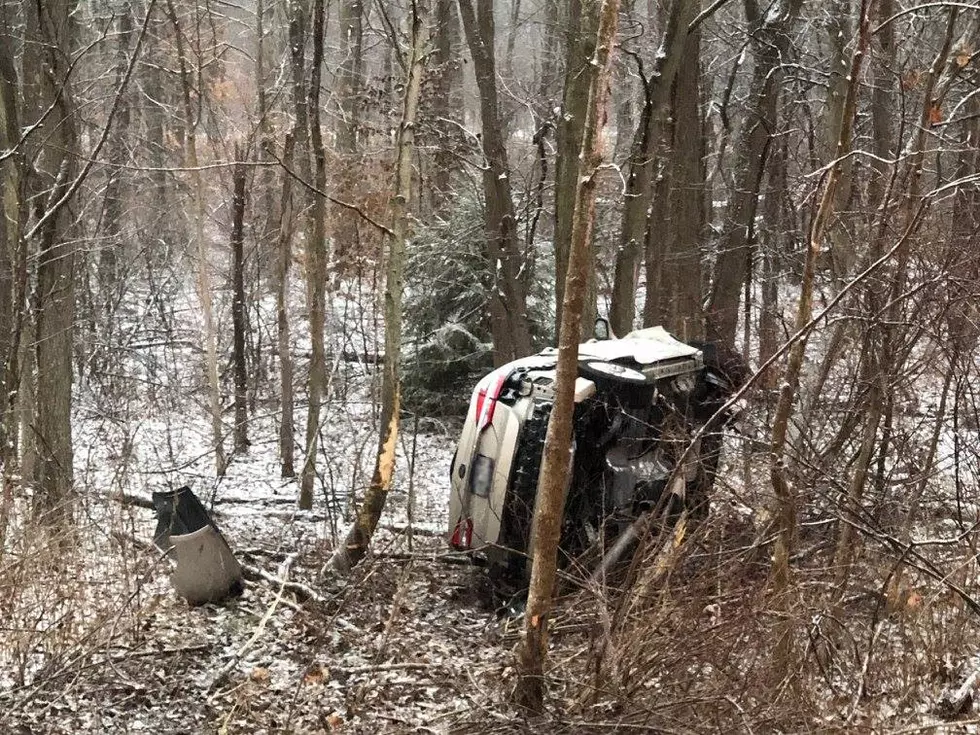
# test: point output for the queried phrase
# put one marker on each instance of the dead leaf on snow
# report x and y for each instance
(314, 675)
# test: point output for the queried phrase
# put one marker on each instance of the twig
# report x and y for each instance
(222, 675)
(959, 702)
(302, 592)
(354, 670)
(449, 558)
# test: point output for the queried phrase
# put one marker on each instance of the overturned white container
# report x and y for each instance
(207, 570)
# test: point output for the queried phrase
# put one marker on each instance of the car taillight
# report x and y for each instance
(463, 534)
(487, 393)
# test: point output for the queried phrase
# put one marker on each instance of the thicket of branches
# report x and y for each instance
(796, 180)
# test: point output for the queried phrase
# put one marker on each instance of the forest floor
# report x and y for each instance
(94, 639)
(97, 641)
(407, 644)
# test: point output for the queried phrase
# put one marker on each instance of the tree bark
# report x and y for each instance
(345, 233)
(54, 308)
(316, 268)
(294, 216)
(682, 269)
(238, 313)
(550, 74)
(508, 303)
(556, 468)
(112, 223)
(13, 261)
(287, 424)
(580, 48)
(359, 537)
(642, 163)
(770, 42)
(843, 255)
(349, 75)
(445, 75)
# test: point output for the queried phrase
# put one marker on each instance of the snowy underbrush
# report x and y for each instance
(95, 639)
(692, 647)
(691, 638)
(878, 627)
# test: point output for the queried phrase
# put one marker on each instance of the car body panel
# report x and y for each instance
(643, 358)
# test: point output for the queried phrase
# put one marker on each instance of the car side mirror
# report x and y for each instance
(602, 330)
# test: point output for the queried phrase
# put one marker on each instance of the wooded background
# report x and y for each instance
(797, 181)
(253, 145)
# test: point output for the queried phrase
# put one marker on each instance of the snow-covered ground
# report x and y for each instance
(94, 639)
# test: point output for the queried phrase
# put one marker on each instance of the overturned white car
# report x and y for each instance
(639, 401)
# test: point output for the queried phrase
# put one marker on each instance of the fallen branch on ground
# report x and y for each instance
(222, 676)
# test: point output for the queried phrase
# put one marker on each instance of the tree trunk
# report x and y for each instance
(544, 104)
(359, 537)
(445, 74)
(349, 75)
(778, 243)
(238, 314)
(13, 262)
(891, 355)
(50, 436)
(203, 266)
(686, 199)
(114, 199)
(656, 305)
(642, 163)
(556, 468)
(508, 302)
(316, 269)
(771, 43)
(348, 122)
(293, 217)
(786, 501)
(843, 254)
(264, 186)
(287, 424)
(580, 48)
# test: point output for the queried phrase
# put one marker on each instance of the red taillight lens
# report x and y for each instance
(487, 393)
(463, 534)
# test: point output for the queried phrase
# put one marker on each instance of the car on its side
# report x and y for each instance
(639, 401)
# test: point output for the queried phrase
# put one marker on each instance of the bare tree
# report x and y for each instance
(355, 546)
(238, 313)
(770, 42)
(316, 267)
(508, 302)
(680, 270)
(555, 467)
(110, 252)
(284, 260)
(580, 41)
(446, 78)
(47, 75)
(349, 81)
(204, 291)
(293, 217)
(647, 145)
(13, 262)
(786, 501)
